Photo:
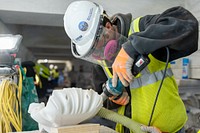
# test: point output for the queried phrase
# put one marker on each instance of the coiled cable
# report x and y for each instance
(10, 105)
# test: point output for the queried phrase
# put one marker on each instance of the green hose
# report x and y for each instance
(127, 122)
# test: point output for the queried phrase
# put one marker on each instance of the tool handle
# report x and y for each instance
(140, 63)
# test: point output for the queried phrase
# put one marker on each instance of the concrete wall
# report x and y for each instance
(4, 29)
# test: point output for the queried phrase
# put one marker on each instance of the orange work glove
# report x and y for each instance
(122, 100)
(122, 68)
(150, 129)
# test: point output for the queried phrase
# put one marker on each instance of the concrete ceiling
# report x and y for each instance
(41, 22)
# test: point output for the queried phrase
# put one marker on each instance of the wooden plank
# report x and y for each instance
(82, 128)
(104, 129)
(36, 131)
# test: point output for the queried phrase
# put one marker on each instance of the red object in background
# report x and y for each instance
(14, 55)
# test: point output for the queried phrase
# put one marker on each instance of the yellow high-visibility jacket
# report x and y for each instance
(175, 28)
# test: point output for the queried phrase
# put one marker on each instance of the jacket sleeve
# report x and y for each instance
(176, 28)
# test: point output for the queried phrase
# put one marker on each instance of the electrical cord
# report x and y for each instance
(10, 105)
(161, 83)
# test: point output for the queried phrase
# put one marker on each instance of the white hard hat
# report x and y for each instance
(81, 22)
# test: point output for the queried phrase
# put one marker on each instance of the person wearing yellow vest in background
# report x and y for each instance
(55, 76)
(43, 75)
(115, 43)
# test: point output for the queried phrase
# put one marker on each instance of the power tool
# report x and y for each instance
(108, 90)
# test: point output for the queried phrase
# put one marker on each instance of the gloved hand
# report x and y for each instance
(122, 68)
(150, 129)
(121, 99)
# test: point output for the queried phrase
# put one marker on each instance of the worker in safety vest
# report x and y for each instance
(43, 75)
(116, 42)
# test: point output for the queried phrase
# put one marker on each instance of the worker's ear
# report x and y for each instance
(108, 25)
